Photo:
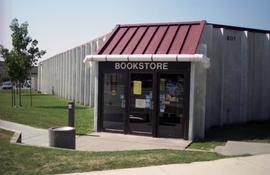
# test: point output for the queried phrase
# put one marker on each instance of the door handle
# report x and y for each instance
(152, 105)
(123, 103)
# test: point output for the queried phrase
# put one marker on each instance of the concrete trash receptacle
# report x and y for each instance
(62, 137)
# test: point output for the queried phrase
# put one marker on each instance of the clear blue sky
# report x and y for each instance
(63, 24)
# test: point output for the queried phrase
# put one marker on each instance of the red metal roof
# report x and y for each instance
(160, 38)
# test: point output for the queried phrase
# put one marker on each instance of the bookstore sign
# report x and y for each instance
(140, 66)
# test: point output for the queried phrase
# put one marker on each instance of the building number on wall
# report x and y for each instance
(231, 38)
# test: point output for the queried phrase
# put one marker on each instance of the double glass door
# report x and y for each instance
(144, 103)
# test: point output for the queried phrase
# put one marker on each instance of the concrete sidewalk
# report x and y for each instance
(233, 148)
(30, 135)
(104, 141)
(251, 165)
(97, 141)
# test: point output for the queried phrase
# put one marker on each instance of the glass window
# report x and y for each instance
(171, 105)
(113, 101)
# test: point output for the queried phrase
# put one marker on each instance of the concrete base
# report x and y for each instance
(62, 137)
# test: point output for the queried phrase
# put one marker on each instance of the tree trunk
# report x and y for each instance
(17, 90)
(12, 102)
(30, 95)
(14, 96)
(31, 88)
(20, 95)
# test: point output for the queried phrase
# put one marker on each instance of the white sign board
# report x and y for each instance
(140, 103)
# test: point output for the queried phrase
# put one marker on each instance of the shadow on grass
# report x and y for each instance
(81, 134)
(61, 107)
(241, 132)
(36, 95)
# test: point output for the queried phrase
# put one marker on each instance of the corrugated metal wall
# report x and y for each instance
(67, 76)
(238, 81)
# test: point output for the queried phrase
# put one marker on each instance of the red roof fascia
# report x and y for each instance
(238, 28)
(161, 24)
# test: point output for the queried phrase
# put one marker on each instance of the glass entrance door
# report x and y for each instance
(113, 102)
(171, 105)
(140, 107)
(128, 106)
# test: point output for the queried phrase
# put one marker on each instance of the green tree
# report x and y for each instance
(35, 54)
(22, 57)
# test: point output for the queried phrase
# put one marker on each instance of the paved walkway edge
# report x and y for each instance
(233, 166)
(234, 148)
(96, 141)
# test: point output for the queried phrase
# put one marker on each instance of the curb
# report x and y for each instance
(16, 138)
(200, 150)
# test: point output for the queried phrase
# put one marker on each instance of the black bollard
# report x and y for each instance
(71, 114)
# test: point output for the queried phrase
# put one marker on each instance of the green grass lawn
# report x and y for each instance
(250, 132)
(20, 159)
(47, 111)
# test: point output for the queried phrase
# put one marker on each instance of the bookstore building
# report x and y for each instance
(176, 80)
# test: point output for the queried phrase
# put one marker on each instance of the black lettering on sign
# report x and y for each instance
(231, 38)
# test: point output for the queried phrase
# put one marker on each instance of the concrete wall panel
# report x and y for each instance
(68, 75)
(92, 76)
(238, 81)
(82, 74)
(213, 38)
(265, 78)
(78, 77)
(244, 77)
(73, 73)
(251, 74)
(268, 72)
(87, 77)
(231, 77)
